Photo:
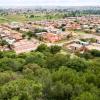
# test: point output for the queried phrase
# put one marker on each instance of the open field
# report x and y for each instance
(2, 19)
(28, 17)
(10, 18)
(80, 32)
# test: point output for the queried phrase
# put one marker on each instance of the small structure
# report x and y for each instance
(24, 46)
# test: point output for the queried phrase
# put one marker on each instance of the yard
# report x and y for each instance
(80, 32)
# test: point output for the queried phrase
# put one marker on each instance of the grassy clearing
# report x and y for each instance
(80, 32)
(3, 19)
(26, 17)
(20, 18)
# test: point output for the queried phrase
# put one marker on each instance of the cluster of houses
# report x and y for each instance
(84, 23)
(91, 42)
(15, 41)
(51, 32)
(54, 36)
(89, 24)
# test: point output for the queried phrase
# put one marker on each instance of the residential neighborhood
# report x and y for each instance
(70, 31)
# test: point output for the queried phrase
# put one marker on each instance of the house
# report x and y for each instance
(51, 37)
(93, 46)
(15, 25)
(81, 42)
(24, 46)
(74, 47)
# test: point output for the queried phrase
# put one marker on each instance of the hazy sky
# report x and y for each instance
(49, 2)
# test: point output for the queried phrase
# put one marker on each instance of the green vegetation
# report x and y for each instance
(44, 15)
(80, 32)
(10, 18)
(90, 54)
(47, 74)
(3, 42)
(3, 20)
(29, 17)
(31, 34)
(91, 40)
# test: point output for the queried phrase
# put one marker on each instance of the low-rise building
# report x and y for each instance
(24, 46)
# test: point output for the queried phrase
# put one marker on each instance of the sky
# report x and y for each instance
(50, 2)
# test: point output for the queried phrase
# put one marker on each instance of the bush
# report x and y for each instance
(95, 53)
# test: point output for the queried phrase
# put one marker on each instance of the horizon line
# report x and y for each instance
(49, 5)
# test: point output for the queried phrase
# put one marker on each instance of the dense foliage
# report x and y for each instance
(48, 74)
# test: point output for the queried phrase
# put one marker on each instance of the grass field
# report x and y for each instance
(80, 32)
(10, 18)
(2, 19)
(23, 17)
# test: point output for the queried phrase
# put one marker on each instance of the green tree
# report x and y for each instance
(87, 96)
(95, 53)
(35, 57)
(57, 60)
(55, 49)
(22, 89)
(43, 48)
(3, 43)
(8, 76)
(79, 64)
(63, 29)
(10, 64)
